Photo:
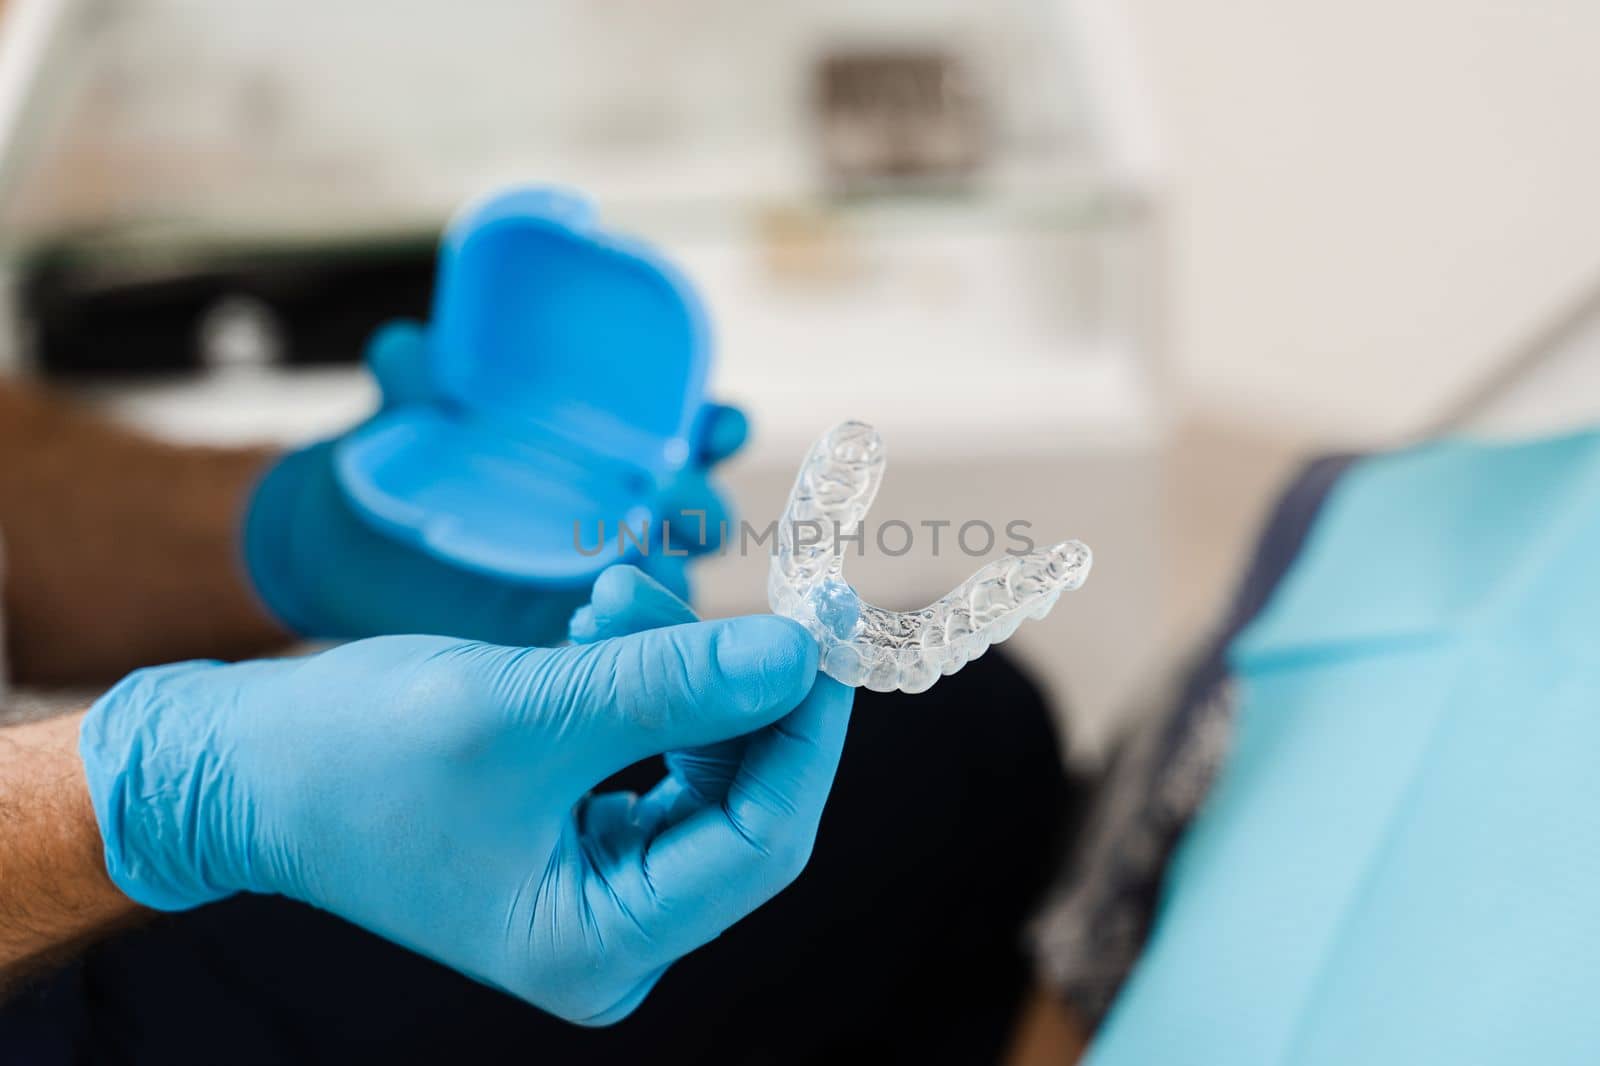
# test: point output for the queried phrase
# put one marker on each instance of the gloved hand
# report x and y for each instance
(323, 572)
(625, 600)
(436, 792)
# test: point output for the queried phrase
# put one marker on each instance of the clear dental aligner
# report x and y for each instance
(863, 645)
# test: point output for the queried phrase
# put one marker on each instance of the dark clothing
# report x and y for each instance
(900, 942)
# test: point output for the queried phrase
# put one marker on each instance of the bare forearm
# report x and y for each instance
(54, 892)
(119, 551)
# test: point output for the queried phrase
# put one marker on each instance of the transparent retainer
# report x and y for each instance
(863, 645)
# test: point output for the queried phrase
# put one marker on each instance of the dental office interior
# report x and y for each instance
(1114, 269)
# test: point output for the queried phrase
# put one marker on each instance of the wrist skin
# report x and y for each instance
(55, 893)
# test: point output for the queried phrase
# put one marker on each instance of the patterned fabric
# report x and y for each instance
(1094, 924)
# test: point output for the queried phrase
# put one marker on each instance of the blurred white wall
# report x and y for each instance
(1372, 201)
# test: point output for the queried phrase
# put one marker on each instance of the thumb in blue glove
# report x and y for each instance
(437, 792)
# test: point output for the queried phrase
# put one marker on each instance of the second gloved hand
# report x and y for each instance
(436, 792)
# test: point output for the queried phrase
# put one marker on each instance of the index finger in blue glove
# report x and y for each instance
(705, 873)
(398, 357)
(695, 517)
(625, 600)
(720, 432)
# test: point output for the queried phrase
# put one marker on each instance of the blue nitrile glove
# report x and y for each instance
(624, 601)
(436, 792)
(324, 572)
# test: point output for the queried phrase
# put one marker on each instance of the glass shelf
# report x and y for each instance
(230, 109)
(209, 135)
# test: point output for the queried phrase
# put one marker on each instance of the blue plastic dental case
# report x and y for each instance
(567, 366)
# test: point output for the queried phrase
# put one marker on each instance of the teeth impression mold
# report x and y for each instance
(863, 645)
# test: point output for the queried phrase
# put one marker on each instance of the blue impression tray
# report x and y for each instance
(567, 366)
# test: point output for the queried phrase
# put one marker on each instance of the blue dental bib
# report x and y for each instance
(1398, 863)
